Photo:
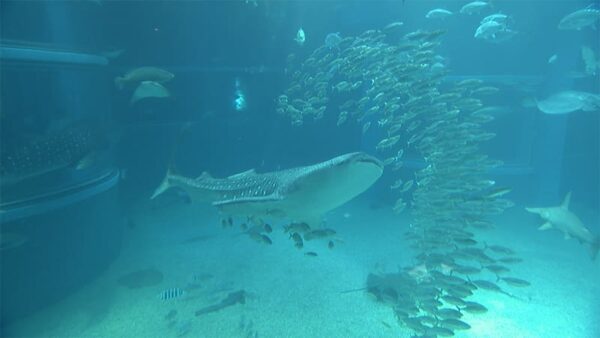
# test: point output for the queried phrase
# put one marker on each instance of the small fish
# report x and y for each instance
(332, 40)
(486, 90)
(498, 192)
(297, 227)
(454, 324)
(438, 13)
(515, 281)
(397, 184)
(474, 7)
(266, 239)
(387, 142)
(172, 293)
(311, 253)
(268, 228)
(497, 269)
(342, 118)
(260, 238)
(500, 249)
(510, 260)
(406, 186)
(389, 160)
(393, 26)
(365, 127)
(300, 37)
(456, 301)
(399, 206)
(474, 308)
(552, 59)
(465, 241)
(298, 242)
(466, 270)
(438, 331)
(330, 245)
(448, 313)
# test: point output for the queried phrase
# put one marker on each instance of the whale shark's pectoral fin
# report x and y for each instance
(535, 210)
(252, 206)
(545, 226)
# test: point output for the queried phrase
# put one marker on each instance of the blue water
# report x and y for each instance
(72, 233)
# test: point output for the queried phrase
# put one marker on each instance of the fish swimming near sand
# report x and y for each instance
(233, 298)
(301, 194)
(71, 147)
(172, 293)
(562, 219)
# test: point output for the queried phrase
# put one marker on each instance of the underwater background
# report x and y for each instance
(128, 129)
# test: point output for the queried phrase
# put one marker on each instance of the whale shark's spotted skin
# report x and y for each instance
(302, 193)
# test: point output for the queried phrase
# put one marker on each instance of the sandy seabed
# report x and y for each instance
(294, 295)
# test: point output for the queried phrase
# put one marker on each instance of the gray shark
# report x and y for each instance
(301, 194)
(562, 219)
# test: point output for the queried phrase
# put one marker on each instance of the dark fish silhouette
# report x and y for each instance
(237, 297)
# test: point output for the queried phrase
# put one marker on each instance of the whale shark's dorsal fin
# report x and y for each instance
(566, 201)
(243, 173)
(204, 175)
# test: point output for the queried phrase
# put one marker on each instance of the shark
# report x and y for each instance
(302, 194)
(562, 219)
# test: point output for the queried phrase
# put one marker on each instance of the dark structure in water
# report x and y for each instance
(71, 147)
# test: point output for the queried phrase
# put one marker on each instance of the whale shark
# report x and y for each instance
(562, 219)
(302, 194)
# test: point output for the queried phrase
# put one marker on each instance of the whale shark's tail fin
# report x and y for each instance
(164, 185)
(595, 247)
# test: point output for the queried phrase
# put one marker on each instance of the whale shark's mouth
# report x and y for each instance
(361, 158)
(371, 160)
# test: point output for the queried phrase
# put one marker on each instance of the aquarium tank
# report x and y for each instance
(324, 168)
